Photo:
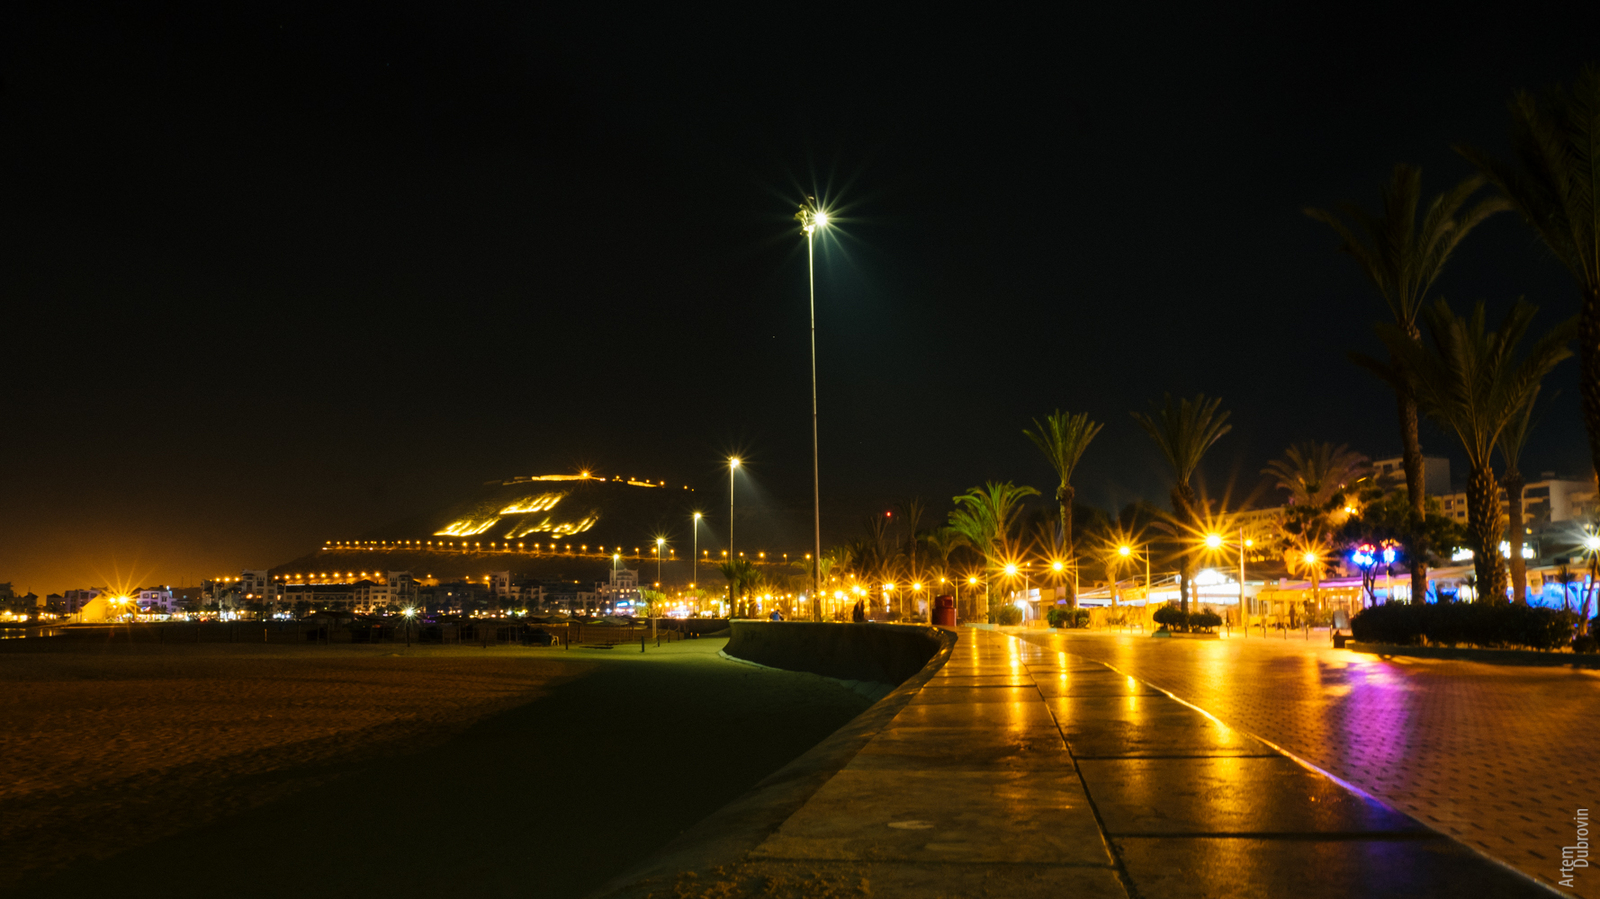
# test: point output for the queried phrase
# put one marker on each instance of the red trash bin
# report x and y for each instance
(944, 611)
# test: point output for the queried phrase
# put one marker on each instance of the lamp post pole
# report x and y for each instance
(733, 465)
(694, 563)
(661, 544)
(1244, 621)
(811, 218)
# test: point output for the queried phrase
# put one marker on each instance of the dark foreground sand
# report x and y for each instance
(249, 770)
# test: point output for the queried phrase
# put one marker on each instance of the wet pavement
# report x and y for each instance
(1024, 770)
(1498, 757)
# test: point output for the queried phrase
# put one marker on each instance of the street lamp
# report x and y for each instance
(733, 465)
(661, 550)
(1126, 552)
(694, 568)
(1214, 543)
(411, 614)
(812, 218)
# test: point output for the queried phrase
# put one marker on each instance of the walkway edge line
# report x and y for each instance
(1336, 779)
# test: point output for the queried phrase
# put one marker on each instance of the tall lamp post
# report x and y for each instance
(661, 550)
(1243, 545)
(733, 465)
(811, 218)
(1126, 552)
(694, 566)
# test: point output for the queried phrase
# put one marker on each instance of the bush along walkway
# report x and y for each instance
(1482, 625)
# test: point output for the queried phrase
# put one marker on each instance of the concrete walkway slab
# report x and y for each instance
(971, 748)
(1313, 869)
(972, 816)
(1230, 796)
(930, 880)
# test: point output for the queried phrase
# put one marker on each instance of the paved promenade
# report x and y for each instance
(1496, 756)
(1021, 770)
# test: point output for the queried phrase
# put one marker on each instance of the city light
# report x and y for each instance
(1125, 551)
(1213, 541)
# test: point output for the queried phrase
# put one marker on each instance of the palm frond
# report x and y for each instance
(1553, 182)
(1401, 257)
(1183, 430)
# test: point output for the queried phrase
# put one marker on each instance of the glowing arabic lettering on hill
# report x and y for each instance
(554, 529)
(544, 502)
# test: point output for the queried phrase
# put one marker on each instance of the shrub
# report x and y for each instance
(1493, 625)
(1008, 616)
(1205, 618)
(1061, 616)
(1172, 616)
(1585, 644)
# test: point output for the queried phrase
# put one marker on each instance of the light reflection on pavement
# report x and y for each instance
(1497, 756)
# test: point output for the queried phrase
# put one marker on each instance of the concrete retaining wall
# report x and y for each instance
(885, 653)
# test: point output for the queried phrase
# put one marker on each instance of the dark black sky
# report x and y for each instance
(280, 273)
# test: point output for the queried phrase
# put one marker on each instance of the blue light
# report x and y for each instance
(1388, 555)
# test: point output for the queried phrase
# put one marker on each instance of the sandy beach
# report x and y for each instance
(116, 755)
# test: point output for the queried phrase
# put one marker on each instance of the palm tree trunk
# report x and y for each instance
(1589, 369)
(1183, 508)
(1416, 488)
(1483, 526)
(1065, 494)
(1514, 530)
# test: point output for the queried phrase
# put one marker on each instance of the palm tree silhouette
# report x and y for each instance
(1183, 430)
(1556, 144)
(1403, 260)
(1474, 382)
(1063, 437)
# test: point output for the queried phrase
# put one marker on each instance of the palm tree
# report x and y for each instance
(1314, 473)
(1317, 477)
(943, 542)
(985, 516)
(912, 511)
(1403, 260)
(1510, 444)
(1183, 430)
(1552, 184)
(1063, 437)
(740, 573)
(1474, 382)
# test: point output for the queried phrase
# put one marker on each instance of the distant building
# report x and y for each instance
(516, 591)
(320, 597)
(75, 600)
(1435, 473)
(24, 606)
(396, 588)
(455, 598)
(1549, 500)
(621, 586)
(155, 600)
(255, 587)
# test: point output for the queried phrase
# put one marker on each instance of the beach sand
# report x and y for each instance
(163, 769)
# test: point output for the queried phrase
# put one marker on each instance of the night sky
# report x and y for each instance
(274, 274)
